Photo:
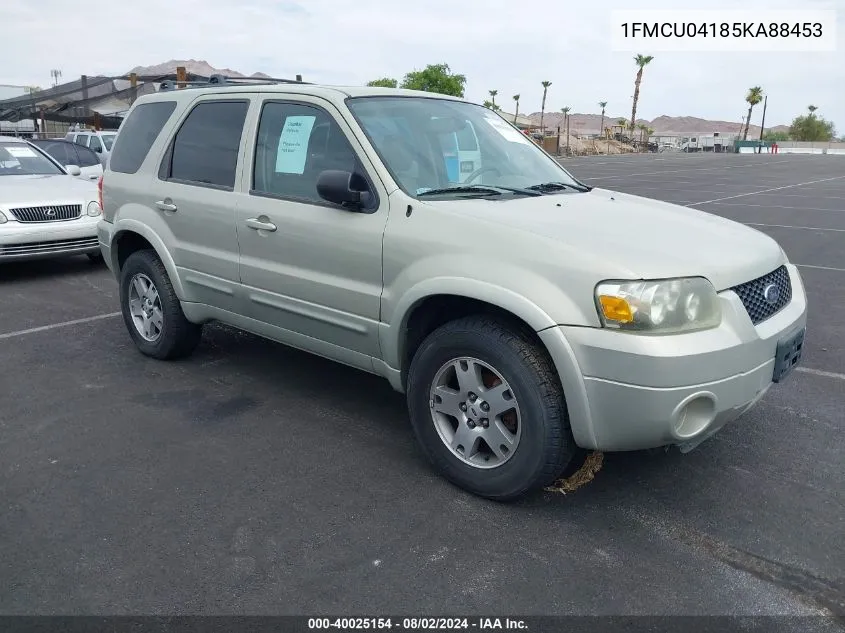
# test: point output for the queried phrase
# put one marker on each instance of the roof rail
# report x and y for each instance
(222, 80)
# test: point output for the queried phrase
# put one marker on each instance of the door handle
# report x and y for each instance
(260, 225)
(165, 205)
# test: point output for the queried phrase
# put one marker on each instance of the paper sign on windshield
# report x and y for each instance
(20, 152)
(510, 133)
(293, 144)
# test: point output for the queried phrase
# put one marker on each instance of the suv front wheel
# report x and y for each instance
(151, 309)
(488, 409)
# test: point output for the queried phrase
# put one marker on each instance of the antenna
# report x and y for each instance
(55, 74)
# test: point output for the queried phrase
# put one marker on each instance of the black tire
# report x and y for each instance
(179, 337)
(546, 446)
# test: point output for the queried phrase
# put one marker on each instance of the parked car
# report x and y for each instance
(527, 317)
(44, 210)
(67, 153)
(100, 142)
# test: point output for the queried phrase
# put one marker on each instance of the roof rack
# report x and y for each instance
(222, 80)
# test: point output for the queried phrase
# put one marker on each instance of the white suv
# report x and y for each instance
(527, 317)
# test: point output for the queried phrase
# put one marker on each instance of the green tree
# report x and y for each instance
(516, 114)
(384, 82)
(33, 89)
(776, 137)
(642, 61)
(546, 85)
(812, 128)
(493, 94)
(602, 105)
(754, 96)
(437, 78)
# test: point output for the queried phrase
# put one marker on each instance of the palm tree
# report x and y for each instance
(642, 127)
(649, 133)
(622, 123)
(566, 124)
(754, 96)
(603, 105)
(493, 94)
(546, 85)
(642, 61)
(516, 114)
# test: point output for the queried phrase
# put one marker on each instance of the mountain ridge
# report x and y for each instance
(580, 123)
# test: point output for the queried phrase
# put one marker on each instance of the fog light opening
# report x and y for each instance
(694, 415)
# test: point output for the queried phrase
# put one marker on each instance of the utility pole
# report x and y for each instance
(55, 74)
(762, 125)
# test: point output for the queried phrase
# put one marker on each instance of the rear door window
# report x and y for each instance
(205, 150)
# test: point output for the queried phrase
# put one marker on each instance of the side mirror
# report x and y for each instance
(73, 170)
(344, 188)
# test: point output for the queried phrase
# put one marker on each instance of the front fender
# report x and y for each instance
(395, 317)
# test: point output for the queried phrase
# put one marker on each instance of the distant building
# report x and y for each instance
(13, 128)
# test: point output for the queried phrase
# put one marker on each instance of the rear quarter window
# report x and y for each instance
(137, 135)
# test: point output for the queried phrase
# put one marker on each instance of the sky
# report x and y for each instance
(503, 45)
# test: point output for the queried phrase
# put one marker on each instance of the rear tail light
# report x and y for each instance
(100, 191)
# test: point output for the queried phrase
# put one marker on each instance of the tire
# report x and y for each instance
(544, 446)
(176, 337)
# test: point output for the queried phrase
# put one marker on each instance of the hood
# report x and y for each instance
(18, 191)
(649, 238)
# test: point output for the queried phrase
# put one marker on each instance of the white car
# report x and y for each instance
(99, 142)
(44, 210)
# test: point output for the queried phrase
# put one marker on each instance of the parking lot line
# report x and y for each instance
(776, 206)
(841, 270)
(787, 226)
(819, 372)
(53, 326)
(754, 193)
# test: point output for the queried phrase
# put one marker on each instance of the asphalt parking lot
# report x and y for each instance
(255, 479)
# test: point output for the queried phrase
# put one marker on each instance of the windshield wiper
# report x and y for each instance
(484, 190)
(558, 186)
(472, 189)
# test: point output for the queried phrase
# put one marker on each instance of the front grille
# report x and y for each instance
(754, 294)
(45, 248)
(51, 213)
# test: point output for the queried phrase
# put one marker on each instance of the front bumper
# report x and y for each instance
(628, 392)
(23, 241)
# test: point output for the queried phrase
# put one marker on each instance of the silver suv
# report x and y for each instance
(528, 317)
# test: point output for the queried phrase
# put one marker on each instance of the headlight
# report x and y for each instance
(664, 306)
(94, 209)
(3, 218)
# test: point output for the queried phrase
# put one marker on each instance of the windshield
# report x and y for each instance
(108, 140)
(20, 159)
(434, 144)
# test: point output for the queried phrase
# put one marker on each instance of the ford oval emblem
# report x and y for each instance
(771, 294)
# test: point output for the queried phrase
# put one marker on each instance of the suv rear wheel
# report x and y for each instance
(488, 409)
(151, 309)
